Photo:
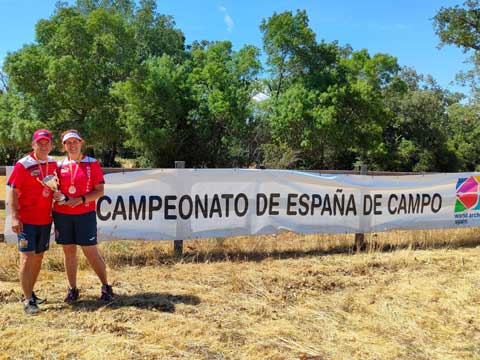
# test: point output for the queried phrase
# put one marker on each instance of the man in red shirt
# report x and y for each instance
(30, 204)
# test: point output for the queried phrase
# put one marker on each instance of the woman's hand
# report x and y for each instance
(72, 202)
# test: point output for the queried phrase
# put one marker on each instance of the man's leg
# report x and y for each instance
(36, 268)
(30, 264)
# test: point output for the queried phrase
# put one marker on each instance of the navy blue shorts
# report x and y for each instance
(76, 229)
(34, 238)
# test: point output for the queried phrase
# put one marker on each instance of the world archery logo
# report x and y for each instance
(467, 191)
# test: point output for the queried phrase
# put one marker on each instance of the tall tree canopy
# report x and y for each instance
(79, 54)
(120, 72)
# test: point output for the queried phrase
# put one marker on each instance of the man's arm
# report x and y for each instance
(17, 226)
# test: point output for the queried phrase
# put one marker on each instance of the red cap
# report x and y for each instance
(42, 134)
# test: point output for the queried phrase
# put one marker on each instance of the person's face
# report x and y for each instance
(42, 148)
(73, 146)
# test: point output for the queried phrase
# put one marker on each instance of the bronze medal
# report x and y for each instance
(72, 189)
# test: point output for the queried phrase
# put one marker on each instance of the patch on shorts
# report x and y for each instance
(22, 241)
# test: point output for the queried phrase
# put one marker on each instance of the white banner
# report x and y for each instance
(167, 204)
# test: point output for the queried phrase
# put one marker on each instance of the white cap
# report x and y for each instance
(70, 135)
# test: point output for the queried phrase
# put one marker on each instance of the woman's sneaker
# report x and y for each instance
(72, 295)
(30, 307)
(107, 293)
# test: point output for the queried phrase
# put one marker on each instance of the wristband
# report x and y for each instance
(83, 199)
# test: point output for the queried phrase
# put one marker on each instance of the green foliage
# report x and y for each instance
(153, 113)
(328, 100)
(221, 83)
(81, 52)
(17, 124)
(119, 72)
(459, 26)
(280, 156)
(464, 130)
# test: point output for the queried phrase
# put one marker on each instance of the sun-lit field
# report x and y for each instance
(409, 295)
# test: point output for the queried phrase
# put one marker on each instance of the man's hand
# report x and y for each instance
(17, 226)
(57, 196)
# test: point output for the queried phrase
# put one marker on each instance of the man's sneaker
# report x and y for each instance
(37, 299)
(107, 293)
(72, 295)
(30, 307)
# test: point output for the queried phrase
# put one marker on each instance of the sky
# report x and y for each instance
(401, 28)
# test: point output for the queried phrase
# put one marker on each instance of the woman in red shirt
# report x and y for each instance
(81, 181)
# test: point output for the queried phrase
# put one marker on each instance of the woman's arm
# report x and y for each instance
(98, 191)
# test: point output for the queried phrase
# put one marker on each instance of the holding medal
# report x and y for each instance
(30, 204)
(81, 180)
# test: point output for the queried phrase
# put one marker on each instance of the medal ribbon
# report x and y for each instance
(46, 189)
(72, 176)
(40, 166)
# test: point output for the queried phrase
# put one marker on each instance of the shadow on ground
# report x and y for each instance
(148, 301)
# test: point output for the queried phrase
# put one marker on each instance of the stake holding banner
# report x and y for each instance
(156, 205)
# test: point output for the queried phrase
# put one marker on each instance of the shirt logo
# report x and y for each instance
(35, 172)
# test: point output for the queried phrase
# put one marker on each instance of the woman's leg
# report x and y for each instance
(96, 262)
(70, 261)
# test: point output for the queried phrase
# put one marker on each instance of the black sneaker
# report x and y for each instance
(38, 300)
(30, 307)
(72, 295)
(107, 293)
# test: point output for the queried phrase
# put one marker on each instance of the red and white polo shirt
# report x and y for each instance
(82, 177)
(34, 199)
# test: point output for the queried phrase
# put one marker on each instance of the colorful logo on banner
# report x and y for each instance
(467, 193)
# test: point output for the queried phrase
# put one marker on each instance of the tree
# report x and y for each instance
(288, 43)
(464, 135)
(155, 34)
(221, 83)
(154, 111)
(460, 26)
(17, 124)
(81, 52)
(69, 72)
(417, 135)
(328, 101)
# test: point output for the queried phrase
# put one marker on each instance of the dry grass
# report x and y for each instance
(410, 295)
(282, 297)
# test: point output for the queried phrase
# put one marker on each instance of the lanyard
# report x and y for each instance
(40, 166)
(74, 175)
